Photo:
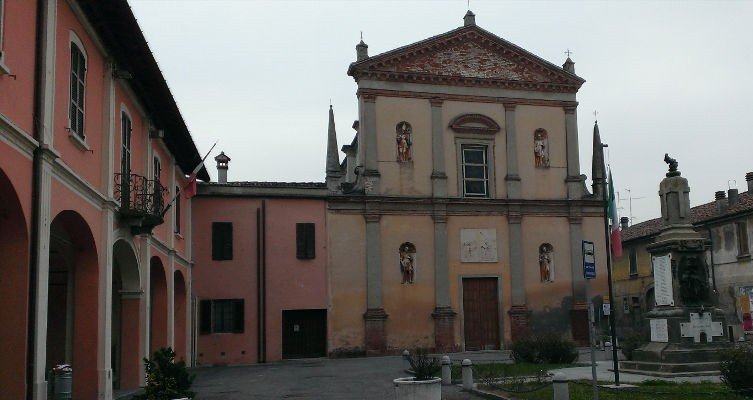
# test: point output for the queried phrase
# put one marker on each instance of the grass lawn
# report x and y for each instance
(499, 370)
(649, 390)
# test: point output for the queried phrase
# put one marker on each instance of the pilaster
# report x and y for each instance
(374, 317)
(520, 316)
(104, 361)
(145, 253)
(576, 256)
(438, 173)
(371, 171)
(573, 180)
(512, 179)
(171, 298)
(517, 272)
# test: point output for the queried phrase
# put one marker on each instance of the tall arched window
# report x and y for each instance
(78, 90)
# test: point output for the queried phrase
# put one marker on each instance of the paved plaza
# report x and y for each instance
(361, 378)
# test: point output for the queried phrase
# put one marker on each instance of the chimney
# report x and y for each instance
(721, 201)
(469, 19)
(222, 162)
(624, 223)
(733, 196)
(749, 179)
(362, 51)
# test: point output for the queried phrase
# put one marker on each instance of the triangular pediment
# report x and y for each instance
(467, 56)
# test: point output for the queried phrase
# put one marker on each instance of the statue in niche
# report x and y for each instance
(404, 141)
(546, 262)
(541, 148)
(694, 286)
(407, 262)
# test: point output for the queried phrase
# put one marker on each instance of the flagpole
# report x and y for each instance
(193, 176)
(612, 328)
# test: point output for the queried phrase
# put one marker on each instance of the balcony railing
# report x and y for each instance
(142, 201)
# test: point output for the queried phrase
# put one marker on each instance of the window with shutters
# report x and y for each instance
(633, 263)
(222, 241)
(742, 239)
(77, 89)
(305, 241)
(221, 316)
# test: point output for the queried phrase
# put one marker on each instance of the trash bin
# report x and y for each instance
(62, 382)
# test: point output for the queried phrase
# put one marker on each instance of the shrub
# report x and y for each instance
(548, 349)
(737, 369)
(166, 379)
(423, 366)
(631, 343)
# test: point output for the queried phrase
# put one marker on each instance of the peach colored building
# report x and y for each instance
(96, 259)
(456, 220)
(261, 270)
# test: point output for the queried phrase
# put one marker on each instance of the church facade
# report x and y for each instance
(456, 220)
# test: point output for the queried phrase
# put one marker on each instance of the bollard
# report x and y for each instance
(560, 386)
(406, 357)
(446, 373)
(467, 374)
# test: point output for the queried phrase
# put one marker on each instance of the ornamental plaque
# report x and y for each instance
(478, 245)
(659, 330)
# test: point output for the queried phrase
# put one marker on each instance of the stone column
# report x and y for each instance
(438, 173)
(371, 171)
(512, 178)
(171, 298)
(573, 180)
(104, 367)
(145, 306)
(444, 316)
(519, 313)
(375, 317)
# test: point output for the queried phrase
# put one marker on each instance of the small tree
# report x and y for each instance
(737, 369)
(166, 379)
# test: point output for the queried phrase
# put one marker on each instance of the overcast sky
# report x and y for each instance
(664, 76)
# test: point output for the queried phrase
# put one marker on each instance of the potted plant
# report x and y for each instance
(423, 385)
(165, 378)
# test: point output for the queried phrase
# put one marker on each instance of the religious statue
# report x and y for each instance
(404, 141)
(694, 286)
(407, 262)
(546, 262)
(672, 165)
(541, 148)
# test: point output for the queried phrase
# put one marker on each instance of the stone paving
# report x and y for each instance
(358, 378)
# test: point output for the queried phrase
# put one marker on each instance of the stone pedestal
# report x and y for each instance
(444, 330)
(375, 332)
(519, 321)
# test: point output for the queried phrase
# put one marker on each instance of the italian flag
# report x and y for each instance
(615, 236)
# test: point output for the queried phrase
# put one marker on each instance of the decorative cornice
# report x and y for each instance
(514, 218)
(65, 175)
(17, 137)
(436, 102)
(507, 101)
(369, 98)
(509, 106)
(372, 217)
(512, 177)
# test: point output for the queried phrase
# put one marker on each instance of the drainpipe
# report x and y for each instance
(36, 200)
(261, 272)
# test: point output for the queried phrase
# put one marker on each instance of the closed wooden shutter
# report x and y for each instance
(222, 241)
(305, 241)
(205, 317)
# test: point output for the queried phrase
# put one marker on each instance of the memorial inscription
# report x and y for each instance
(659, 330)
(663, 280)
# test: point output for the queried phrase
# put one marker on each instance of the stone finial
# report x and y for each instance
(222, 167)
(672, 165)
(469, 19)
(362, 51)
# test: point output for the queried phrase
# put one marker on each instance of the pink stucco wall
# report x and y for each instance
(18, 48)
(291, 284)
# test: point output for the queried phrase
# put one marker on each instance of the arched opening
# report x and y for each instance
(158, 311)
(126, 324)
(180, 316)
(72, 302)
(14, 270)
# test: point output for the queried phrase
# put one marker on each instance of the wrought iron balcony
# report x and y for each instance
(142, 201)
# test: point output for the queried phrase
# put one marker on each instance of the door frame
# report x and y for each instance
(500, 314)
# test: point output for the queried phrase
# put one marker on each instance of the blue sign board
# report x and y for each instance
(589, 260)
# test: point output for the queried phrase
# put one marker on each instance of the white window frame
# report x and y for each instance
(4, 70)
(488, 145)
(75, 41)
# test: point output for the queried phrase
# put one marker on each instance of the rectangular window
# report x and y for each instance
(742, 239)
(125, 143)
(177, 209)
(633, 262)
(305, 241)
(222, 241)
(475, 168)
(221, 316)
(78, 90)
